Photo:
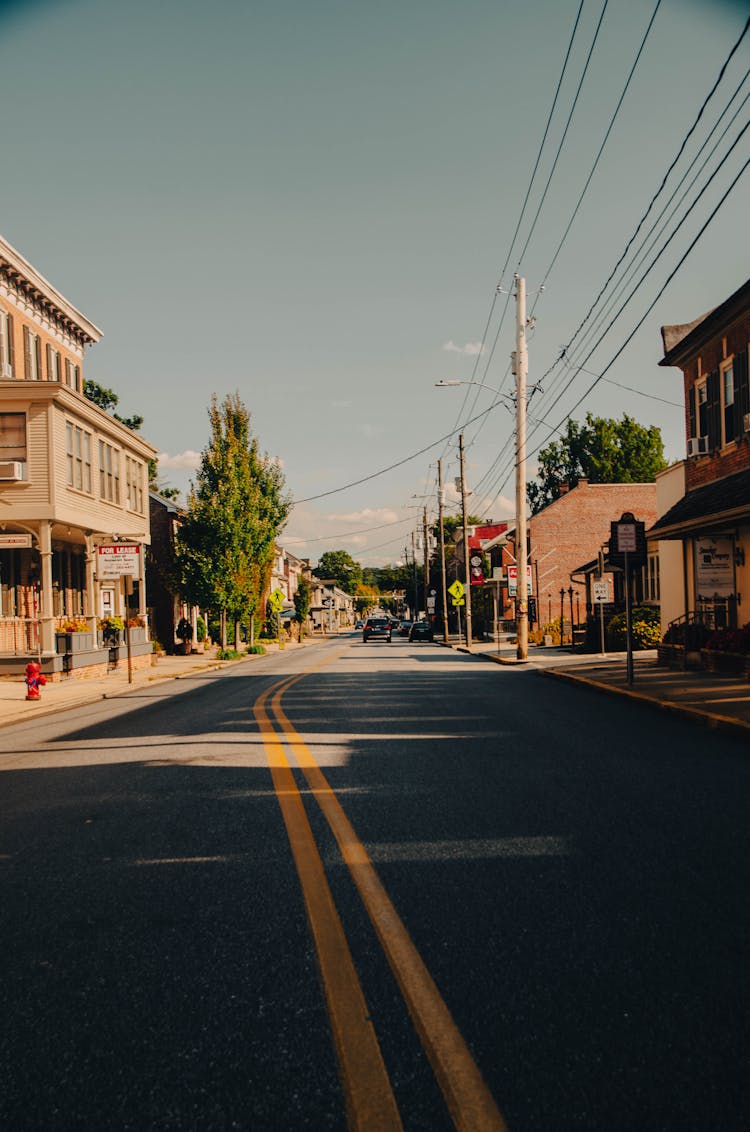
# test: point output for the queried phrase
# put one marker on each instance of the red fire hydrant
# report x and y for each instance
(35, 679)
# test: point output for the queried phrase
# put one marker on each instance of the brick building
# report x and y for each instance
(710, 520)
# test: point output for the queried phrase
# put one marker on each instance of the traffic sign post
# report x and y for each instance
(627, 548)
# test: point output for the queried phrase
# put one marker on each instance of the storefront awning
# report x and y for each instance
(714, 507)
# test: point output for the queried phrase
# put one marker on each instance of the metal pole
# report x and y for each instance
(570, 595)
(467, 568)
(562, 615)
(629, 621)
(441, 504)
(522, 591)
(426, 558)
(415, 611)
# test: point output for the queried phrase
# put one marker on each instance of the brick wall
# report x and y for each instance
(569, 532)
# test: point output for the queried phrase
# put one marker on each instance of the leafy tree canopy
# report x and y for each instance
(603, 450)
(340, 567)
(108, 400)
(224, 548)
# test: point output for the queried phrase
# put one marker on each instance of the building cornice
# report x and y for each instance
(680, 348)
(26, 281)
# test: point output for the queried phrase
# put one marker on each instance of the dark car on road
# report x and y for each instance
(421, 631)
(404, 628)
(376, 628)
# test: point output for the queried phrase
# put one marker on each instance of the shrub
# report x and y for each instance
(730, 640)
(228, 654)
(256, 650)
(646, 628)
(200, 629)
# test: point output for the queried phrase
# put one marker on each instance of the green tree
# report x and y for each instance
(108, 400)
(603, 450)
(301, 599)
(224, 548)
(339, 566)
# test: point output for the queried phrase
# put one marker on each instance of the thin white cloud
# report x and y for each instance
(470, 349)
(189, 460)
(366, 515)
(340, 404)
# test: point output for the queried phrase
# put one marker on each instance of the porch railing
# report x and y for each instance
(19, 636)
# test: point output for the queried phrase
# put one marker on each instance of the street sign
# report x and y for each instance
(601, 592)
(116, 561)
(430, 604)
(276, 600)
(458, 601)
(456, 590)
(627, 536)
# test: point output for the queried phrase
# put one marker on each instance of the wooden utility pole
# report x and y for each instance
(441, 505)
(467, 567)
(522, 587)
(426, 558)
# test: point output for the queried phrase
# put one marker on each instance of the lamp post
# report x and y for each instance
(441, 505)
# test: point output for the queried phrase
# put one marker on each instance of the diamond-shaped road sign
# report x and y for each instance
(456, 590)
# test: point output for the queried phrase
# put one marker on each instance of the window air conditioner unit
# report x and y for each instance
(746, 422)
(697, 446)
(12, 471)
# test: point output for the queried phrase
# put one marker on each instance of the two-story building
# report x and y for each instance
(706, 510)
(72, 479)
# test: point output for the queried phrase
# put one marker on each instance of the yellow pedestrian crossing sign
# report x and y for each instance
(457, 592)
(276, 601)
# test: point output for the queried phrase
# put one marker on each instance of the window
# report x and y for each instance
(6, 344)
(708, 397)
(12, 436)
(134, 484)
(72, 375)
(109, 472)
(32, 355)
(78, 453)
(54, 364)
(651, 578)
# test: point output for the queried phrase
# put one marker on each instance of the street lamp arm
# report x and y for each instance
(481, 384)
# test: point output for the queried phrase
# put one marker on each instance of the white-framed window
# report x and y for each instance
(109, 472)
(13, 437)
(6, 344)
(54, 364)
(134, 484)
(78, 455)
(72, 375)
(32, 355)
(651, 578)
(727, 398)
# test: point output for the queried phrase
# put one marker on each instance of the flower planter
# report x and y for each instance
(109, 640)
(73, 642)
(730, 663)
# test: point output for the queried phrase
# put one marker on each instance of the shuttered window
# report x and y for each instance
(32, 355)
(727, 389)
(78, 454)
(6, 344)
(109, 472)
(713, 411)
(53, 364)
(12, 436)
(741, 393)
(72, 375)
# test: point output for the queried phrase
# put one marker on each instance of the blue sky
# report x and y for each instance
(312, 202)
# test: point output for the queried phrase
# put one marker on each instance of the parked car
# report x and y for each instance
(359, 623)
(421, 631)
(377, 628)
(404, 628)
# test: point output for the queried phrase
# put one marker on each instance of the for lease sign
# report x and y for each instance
(117, 560)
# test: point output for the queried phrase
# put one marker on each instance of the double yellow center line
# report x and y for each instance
(371, 1106)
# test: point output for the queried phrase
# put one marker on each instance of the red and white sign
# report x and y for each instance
(116, 561)
(14, 542)
(513, 580)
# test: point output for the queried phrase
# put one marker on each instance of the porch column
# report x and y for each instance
(47, 618)
(90, 563)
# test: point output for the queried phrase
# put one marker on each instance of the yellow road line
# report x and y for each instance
(371, 1106)
(469, 1101)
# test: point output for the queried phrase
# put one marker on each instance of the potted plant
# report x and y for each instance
(184, 633)
(111, 629)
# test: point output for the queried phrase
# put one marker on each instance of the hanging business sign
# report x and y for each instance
(15, 542)
(476, 570)
(117, 560)
(714, 568)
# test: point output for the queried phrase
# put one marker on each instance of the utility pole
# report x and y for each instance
(467, 568)
(415, 611)
(441, 504)
(522, 588)
(426, 557)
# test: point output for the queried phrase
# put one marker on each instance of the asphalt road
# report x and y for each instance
(571, 870)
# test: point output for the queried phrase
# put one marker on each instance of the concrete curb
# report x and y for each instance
(697, 715)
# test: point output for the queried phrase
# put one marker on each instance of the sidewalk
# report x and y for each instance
(712, 699)
(75, 692)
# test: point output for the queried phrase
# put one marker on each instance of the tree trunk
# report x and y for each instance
(252, 629)
(237, 636)
(223, 623)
